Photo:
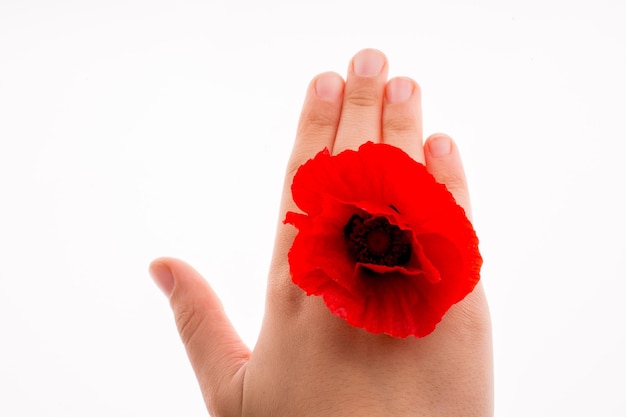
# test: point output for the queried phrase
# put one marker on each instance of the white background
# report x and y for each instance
(135, 129)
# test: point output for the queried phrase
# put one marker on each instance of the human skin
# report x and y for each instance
(308, 362)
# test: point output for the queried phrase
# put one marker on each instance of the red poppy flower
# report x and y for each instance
(381, 241)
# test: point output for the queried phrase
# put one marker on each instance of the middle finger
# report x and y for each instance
(361, 113)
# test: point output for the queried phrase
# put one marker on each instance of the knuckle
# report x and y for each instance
(458, 188)
(453, 182)
(188, 322)
(292, 169)
(400, 124)
(456, 184)
(315, 122)
(362, 97)
(298, 157)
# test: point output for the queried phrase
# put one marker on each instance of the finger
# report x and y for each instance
(444, 163)
(316, 130)
(215, 351)
(363, 101)
(402, 117)
(317, 127)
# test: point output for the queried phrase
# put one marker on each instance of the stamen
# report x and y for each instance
(374, 240)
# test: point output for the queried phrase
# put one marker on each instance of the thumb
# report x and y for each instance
(215, 350)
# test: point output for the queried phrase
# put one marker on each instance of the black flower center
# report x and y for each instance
(374, 240)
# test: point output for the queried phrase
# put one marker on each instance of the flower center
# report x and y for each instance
(374, 240)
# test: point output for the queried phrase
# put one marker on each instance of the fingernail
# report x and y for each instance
(329, 86)
(398, 90)
(163, 277)
(440, 146)
(368, 63)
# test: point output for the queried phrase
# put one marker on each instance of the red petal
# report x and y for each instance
(383, 181)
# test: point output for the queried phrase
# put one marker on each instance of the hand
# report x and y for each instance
(308, 362)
